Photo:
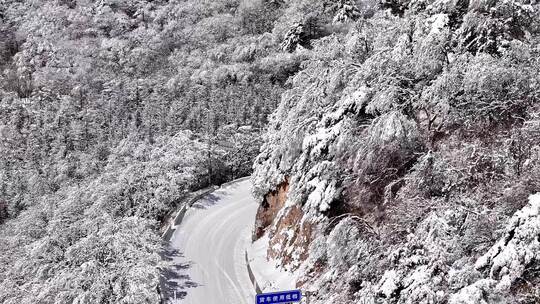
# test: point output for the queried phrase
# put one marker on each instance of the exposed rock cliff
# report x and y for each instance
(272, 203)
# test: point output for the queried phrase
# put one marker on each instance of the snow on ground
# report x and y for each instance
(209, 265)
(268, 275)
(211, 242)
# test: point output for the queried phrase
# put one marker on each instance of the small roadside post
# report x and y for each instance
(280, 297)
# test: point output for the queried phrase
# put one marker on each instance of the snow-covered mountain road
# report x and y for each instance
(209, 265)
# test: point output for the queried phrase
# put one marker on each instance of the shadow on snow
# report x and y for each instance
(173, 280)
(206, 202)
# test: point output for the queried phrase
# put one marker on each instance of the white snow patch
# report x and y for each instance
(268, 274)
(389, 283)
(438, 22)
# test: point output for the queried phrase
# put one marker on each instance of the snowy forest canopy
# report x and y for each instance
(111, 111)
(393, 110)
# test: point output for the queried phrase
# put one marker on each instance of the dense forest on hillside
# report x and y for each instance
(111, 111)
(406, 131)
(407, 149)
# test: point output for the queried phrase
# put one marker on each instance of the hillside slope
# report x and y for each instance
(398, 167)
(110, 113)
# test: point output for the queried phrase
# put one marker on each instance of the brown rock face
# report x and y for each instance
(273, 202)
(289, 241)
(290, 234)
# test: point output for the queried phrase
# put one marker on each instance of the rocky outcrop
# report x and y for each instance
(289, 234)
(271, 205)
(290, 237)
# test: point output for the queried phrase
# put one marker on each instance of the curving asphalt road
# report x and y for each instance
(207, 249)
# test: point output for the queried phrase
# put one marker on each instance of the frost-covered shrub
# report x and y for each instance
(517, 249)
(387, 151)
(257, 17)
(505, 263)
(281, 66)
(342, 248)
(490, 25)
(397, 7)
(479, 92)
(97, 240)
(345, 10)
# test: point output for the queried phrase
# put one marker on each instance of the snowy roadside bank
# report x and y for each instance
(267, 274)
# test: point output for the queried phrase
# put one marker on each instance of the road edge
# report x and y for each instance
(177, 220)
